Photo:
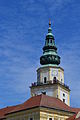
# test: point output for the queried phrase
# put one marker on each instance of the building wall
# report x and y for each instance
(49, 89)
(58, 73)
(54, 91)
(64, 94)
(41, 73)
(39, 113)
(25, 115)
(50, 73)
(45, 114)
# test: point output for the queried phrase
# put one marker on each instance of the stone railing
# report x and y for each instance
(49, 83)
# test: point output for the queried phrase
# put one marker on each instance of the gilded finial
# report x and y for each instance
(49, 23)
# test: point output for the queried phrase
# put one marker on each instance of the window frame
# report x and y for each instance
(63, 94)
(44, 93)
(50, 118)
(63, 100)
(45, 79)
(31, 119)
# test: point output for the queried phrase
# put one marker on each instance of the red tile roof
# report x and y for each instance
(38, 101)
(74, 117)
(77, 118)
(4, 111)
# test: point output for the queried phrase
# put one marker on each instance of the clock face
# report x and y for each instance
(54, 73)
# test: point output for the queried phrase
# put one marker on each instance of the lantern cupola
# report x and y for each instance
(50, 55)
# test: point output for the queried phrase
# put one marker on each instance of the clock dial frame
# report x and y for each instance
(54, 73)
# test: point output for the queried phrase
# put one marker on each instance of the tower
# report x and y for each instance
(50, 76)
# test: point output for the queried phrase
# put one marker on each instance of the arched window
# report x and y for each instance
(45, 79)
(63, 94)
(31, 118)
(64, 100)
(61, 80)
(54, 78)
(44, 93)
(50, 41)
(50, 118)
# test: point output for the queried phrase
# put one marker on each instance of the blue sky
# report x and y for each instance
(23, 27)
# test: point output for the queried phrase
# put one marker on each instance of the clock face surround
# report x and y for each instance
(54, 73)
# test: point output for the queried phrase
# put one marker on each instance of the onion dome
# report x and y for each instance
(50, 55)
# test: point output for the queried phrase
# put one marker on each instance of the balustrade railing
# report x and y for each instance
(55, 81)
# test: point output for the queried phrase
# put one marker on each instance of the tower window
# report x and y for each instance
(63, 94)
(54, 78)
(45, 79)
(48, 41)
(31, 118)
(44, 93)
(61, 80)
(64, 100)
(57, 96)
(51, 41)
(50, 118)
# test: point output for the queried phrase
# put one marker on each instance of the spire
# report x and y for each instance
(50, 29)
(50, 55)
(50, 36)
(49, 23)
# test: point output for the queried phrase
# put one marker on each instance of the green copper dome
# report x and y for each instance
(50, 55)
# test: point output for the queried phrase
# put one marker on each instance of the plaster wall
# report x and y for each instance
(64, 94)
(50, 73)
(50, 90)
(39, 114)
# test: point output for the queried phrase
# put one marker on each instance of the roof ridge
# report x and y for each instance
(25, 103)
(9, 106)
(41, 99)
(45, 97)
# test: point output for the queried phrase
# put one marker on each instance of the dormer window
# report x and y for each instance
(45, 79)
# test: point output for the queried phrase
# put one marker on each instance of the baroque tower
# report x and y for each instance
(50, 76)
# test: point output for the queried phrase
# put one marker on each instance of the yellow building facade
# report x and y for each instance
(39, 114)
(41, 107)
